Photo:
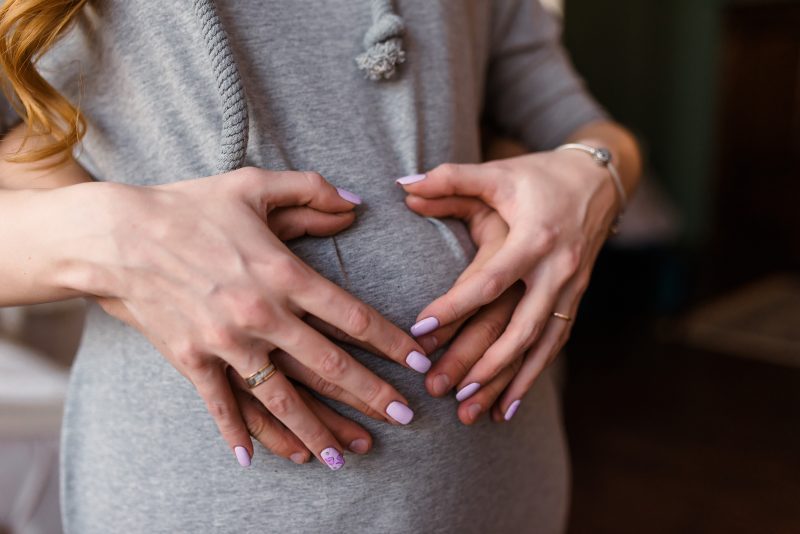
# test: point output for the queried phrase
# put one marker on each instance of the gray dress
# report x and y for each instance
(140, 452)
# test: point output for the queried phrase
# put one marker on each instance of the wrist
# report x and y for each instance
(82, 250)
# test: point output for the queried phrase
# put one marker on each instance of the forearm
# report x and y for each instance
(621, 143)
(49, 243)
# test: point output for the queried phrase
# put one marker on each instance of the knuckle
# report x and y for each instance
(251, 311)
(447, 170)
(491, 330)
(287, 274)
(314, 179)
(256, 423)
(316, 434)
(220, 337)
(280, 404)
(461, 367)
(493, 286)
(333, 364)
(546, 238)
(359, 319)
(326, 388)
(188, 356)
(373, 390)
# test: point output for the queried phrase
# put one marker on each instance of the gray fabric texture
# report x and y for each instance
(140, 453)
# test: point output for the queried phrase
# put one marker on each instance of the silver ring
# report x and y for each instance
(261, 376)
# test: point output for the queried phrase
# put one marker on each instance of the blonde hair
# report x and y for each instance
(28, 29)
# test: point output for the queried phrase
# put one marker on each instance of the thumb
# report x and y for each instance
(291, 223)
(279, 189)
(451, 179)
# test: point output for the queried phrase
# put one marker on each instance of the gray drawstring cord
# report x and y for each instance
(383, 42)
(235, 121)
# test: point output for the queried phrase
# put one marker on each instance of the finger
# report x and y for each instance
(215, 390)
(517, 257)
(299, 372)
(481, 402)
(469, 346)
(340, 309)
(458, 207)
(452, 179)
(346, 430)
(541, 354)
(270, 189)
(266, 429)
(283, 401)
(291, 223)
(333, 364)
(529, 320)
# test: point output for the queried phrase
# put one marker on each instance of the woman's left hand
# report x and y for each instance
(559, 208)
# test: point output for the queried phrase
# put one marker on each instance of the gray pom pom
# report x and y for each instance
(383, 42)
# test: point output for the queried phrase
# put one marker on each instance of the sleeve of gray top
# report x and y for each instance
(533, 93)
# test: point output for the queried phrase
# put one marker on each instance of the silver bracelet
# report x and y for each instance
(602, 156)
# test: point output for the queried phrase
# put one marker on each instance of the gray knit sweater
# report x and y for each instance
(179, 89)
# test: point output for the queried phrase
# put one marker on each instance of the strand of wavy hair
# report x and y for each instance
(28, 29)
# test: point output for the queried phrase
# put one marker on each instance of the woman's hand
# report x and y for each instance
(559, 207)
(203, 277)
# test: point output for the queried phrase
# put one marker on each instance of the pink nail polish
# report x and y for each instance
(348, 196)
(512, 410)
(418, 361)
(412, 179)
(333, 458)
(441, 383)
(425, 326)
(242, 456)
(400, 412)
(467, 391)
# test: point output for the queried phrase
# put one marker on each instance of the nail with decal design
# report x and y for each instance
(242, 456)
(408, 180)
(467, 391)
(400, 412)
(425, 326)
(512, 410)
(348, 196)
(333, 458)
(418, 361)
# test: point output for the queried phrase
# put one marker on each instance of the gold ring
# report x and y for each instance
(562, 316)
(261, 376)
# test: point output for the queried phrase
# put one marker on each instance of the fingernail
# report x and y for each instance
(348, 196)
(418, 361)
(467, 391)
(429, 343)
(512, 410)
(242, 456)
(359, 446)
(400, 412)
(425, 326)
(474, 411)
(412, 179)
(441, 383)
(333, 458)
(298, 458)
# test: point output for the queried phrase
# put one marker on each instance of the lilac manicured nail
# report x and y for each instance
(242, 456)
(512, 410)
(400, 412)
(408, 180)
(348, 196)
(418, 361)
(467, 391)
(359, 446)
(298, 458)
(333, 458)
(425, 326)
